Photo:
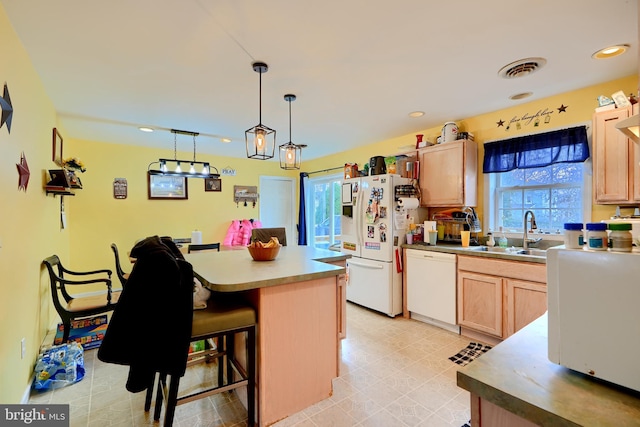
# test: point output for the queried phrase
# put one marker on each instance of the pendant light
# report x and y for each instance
(260, 140)
(290, 153)
(173, 167)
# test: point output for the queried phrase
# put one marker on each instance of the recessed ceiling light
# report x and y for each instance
(521, 95)
(415, 114)
(610, 51)
(145, 129)
(521, 68)
(225, 140)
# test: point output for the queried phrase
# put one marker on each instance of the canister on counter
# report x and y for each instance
(573, 235)
(620, 238)
(597, 236)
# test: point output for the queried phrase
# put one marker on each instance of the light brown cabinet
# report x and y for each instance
(499, 297)
(448, 174)
(616, 174)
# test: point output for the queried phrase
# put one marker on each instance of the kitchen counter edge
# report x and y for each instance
(471, 251)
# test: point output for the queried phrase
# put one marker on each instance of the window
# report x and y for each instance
(553, 193)
(557, 193)
(324, 210)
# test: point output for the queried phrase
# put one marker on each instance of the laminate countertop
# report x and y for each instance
(517, 376)
(235, 270)
(475, 251)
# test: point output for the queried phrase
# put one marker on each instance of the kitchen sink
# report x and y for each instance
(510, 250)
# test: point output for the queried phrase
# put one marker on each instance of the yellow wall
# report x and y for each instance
(580, 107)
(97, 219)
(29, 221)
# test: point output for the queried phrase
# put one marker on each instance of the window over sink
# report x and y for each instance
(556, 193)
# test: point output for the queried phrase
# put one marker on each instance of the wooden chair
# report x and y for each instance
(70, 307)
(203, 247)
(122, 276)
(265, 234)
(221, 320)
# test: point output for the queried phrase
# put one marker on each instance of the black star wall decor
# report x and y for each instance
(7, 109)
(562, 108)
(500, 123)
(23, 173)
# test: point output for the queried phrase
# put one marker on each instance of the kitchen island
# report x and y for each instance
(298, 300)
(515, 384)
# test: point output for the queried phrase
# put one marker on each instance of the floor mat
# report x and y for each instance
(468, 354)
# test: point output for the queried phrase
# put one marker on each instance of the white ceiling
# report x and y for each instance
(357, 67)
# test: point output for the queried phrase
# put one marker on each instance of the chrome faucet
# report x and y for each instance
(525, 238)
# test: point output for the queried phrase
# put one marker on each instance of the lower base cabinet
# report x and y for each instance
(497, 298)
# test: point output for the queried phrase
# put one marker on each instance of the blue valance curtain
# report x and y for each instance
(534, 151)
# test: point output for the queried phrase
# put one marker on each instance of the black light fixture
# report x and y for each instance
(290, 153)
(260, 140)
(174, 167)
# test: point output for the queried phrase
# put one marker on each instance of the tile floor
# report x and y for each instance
(394, 372)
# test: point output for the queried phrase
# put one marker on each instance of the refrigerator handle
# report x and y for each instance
(369, 266)
(359, 219)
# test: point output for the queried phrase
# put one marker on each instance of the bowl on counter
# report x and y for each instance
(264, 254)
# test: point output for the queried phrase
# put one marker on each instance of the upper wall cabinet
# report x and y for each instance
(616, 174)
(449, 174)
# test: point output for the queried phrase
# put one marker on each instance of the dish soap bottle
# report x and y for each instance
(502, 241)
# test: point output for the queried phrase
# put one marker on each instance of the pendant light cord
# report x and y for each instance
(194, 148)
(260, 100)
(289, 119)
(175, 146)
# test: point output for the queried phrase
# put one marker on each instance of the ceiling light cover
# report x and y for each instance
(260, 140)
(610, 51)
(415, 114)
(521, 68)
(290, 153)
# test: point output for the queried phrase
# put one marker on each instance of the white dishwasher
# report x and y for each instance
(431, 288)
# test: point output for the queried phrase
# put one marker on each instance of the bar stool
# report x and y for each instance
(223, 318)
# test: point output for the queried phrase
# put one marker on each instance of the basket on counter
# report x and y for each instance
(264, 254)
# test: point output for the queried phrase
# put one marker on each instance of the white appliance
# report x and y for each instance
(372, 229)
(431, 288)
(594, 319)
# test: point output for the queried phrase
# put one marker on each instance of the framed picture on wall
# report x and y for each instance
(212, 184)
(57, 147)
(167, 187)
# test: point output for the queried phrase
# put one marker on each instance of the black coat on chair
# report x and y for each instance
(150, 328)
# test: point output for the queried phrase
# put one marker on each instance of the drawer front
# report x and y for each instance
(532, 272)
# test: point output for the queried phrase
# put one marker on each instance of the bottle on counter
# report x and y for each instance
(502, 241)
(597, 236)
(490, 241)
(573, 235)
(620, 237)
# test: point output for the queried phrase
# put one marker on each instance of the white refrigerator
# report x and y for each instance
(372, 230)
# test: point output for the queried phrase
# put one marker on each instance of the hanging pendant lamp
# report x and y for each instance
(173, 167)
(260, 140)
(290, 153)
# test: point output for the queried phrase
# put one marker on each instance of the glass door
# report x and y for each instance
(324, 205)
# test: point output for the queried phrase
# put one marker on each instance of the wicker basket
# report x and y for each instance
(264, 254)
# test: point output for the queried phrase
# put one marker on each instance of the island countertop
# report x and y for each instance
(518, 377)
(235, 270)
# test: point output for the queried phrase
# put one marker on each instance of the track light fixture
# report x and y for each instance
(260, 140)
(173, 167)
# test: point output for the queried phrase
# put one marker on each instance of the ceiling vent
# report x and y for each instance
(521, 68)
